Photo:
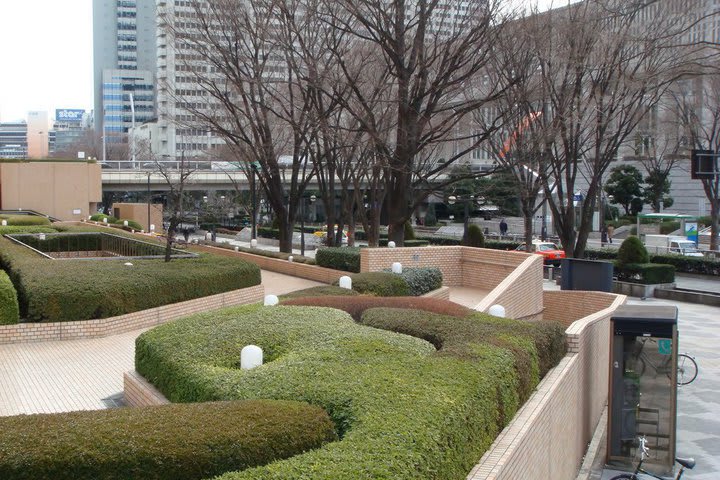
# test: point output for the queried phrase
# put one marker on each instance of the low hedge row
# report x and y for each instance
(402, 410)
(320, 291)
(117, 222)
(261, 252)
(346, 259)
(357, 305)
(645, 273)
(383, 242)
(9, 310)
(21, 229)
(382, 284)
(696, 265)
(173, 442)
(57, 291)
(25, 220)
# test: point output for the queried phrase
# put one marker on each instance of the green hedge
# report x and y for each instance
(56, 291)
(382, 284)
(383, 242)
(261, 252)
(320, 291)
(20, 229)
(173, 442)
(25, 220)
(402, 410)
(682, 263)
(9, 310)
(346, 259)
(646, 273)
(421, 280)
(357, 305)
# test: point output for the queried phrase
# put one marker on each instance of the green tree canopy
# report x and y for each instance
(657, 190)
(624, 185)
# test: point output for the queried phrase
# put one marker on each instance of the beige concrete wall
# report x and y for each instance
(139, 213)
(548, 437)
(65, 190)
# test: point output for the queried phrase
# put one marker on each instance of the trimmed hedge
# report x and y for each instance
(20, 229)
(697, 265)
(632, 251)
(402, 410)
(356, 306)
(320, 291)
(383, 242)
(421, 280)
(58, 291)
(346, 259)
(173, 442)
(260, 252)
(9, 310)
(475, 236)
(25, 220)
(645, 273)
(382, 284)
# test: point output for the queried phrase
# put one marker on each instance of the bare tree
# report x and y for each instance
(603, 65)
(420, 57)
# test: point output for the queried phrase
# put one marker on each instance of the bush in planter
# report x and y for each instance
(421, 280)
(382, 284)
(409, 231)
(646, 273)
(475, 237)
(9, 310)
(632, 251)
(383, 242)
(339, 258)
(25, 220)
(319, 291)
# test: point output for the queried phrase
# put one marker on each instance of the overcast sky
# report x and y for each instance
(46, 55)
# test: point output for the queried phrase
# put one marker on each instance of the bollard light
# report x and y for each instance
(497, 311)
(41, 236)
(345, 282)
(128, 264)
(104, 220)
(237, 248)
(4, 223)
(152, 227)
(271, 300)
(290, 258)
(125, 223)
(253, 243)
(251, 356)
(391, 244)
(397, 267)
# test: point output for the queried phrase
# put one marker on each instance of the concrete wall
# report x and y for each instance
(549, 435)
(139, 213)
(65, 190)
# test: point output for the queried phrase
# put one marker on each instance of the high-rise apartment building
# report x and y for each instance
(124, 65)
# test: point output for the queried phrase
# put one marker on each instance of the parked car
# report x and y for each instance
(551, 252)
(323, 235)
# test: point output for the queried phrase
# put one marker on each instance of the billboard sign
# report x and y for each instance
(69, 115)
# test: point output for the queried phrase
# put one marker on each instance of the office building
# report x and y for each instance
(13, 140)
(38, 126)
(124, 45)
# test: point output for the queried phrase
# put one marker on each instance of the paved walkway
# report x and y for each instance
(69, 375)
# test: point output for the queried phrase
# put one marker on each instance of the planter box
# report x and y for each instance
(639, 289)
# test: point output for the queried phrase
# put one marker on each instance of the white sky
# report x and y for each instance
(46, 55)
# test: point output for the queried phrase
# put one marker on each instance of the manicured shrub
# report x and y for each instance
(632, 251)
(430, 216)
(132, 224)
(409, 231)
(21, 229)
(25, 220)
(346, 259)
(98, 217)
(9, 310)
(180, 441)
(475, 237)
(403, 411)
(646, 273)
(383, 242)
(699, 265)
(319, 291)
(421, 280)
(356, 306)
(58, 291)
(261, 252)
(382, 284)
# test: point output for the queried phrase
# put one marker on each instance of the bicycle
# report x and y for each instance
(687, 368)
(688, 463)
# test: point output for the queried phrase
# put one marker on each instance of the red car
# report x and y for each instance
(549, 250)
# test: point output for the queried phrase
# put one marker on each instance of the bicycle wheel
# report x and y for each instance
(687, 369)
(624, 476)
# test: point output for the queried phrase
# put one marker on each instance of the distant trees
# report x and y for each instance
(625, 186)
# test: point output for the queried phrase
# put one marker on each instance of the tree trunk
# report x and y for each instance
(714, 211)
(286, 233)
(172, 228)
(528, 220)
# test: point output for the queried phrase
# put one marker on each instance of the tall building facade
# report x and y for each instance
(13, 140)
(38, 126)
(125, 54)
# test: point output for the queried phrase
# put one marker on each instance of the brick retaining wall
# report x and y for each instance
(37, 332)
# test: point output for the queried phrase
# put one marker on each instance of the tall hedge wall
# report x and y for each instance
(403, 410)
(173, 442)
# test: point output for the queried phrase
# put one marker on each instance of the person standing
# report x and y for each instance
(610, 230)
(503, 227)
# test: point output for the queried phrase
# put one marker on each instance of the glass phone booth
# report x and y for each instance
(643, 387)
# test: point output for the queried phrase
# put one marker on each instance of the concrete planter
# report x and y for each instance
(639, 289)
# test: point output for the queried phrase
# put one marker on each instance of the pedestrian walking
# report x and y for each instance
(503, 227)
(610, 231)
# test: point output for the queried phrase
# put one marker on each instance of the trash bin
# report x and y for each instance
(579, 274)
(643, 386)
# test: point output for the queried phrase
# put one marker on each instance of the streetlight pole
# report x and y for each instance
(148, 201)
(253, 196)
